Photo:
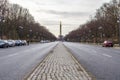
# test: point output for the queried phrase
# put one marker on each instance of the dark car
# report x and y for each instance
(18, 43)
(3, 44)
(107, 44)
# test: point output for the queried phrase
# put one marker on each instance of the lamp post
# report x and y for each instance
(36, 35)
(93, 40)
(89, 35)
(30, 34)
(20, 31)
(119, 20)
(101, 35)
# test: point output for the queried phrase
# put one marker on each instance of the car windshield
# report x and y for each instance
(59, 39)
(107, 41)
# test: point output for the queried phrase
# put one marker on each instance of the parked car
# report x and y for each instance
(44, 41)
(107, 44)
(24, 42)
(3, 44)
(11, 43)
(18, 43)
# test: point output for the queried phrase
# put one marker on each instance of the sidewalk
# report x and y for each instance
(59, 65)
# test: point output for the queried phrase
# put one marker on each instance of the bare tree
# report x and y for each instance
(103, 26)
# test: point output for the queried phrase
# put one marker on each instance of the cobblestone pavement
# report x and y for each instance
(59, 65)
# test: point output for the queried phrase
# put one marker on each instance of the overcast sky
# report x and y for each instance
(72, 13)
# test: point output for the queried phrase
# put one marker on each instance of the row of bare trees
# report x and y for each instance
(103, 26)
(17, 23)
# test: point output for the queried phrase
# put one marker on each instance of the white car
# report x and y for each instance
(11, 43)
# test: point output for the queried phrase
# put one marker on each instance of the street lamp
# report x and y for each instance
(93, 40)
(119, 20)
(101, 35)
(89, 35)
(20, 31)
(30, 34)
(36, 35)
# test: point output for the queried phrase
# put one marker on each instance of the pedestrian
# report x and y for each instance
(28, 42)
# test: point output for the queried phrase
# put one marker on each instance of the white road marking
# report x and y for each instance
(12, 55)
(107, 55)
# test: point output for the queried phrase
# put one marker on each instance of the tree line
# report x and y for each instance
(104, 25)
(17, 23)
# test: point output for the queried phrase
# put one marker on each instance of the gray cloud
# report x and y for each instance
(65, 14)
(54, 22)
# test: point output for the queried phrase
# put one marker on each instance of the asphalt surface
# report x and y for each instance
(102, 62)
(16, 62)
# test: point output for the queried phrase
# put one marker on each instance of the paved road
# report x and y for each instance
(16, 62)
(104, 63)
